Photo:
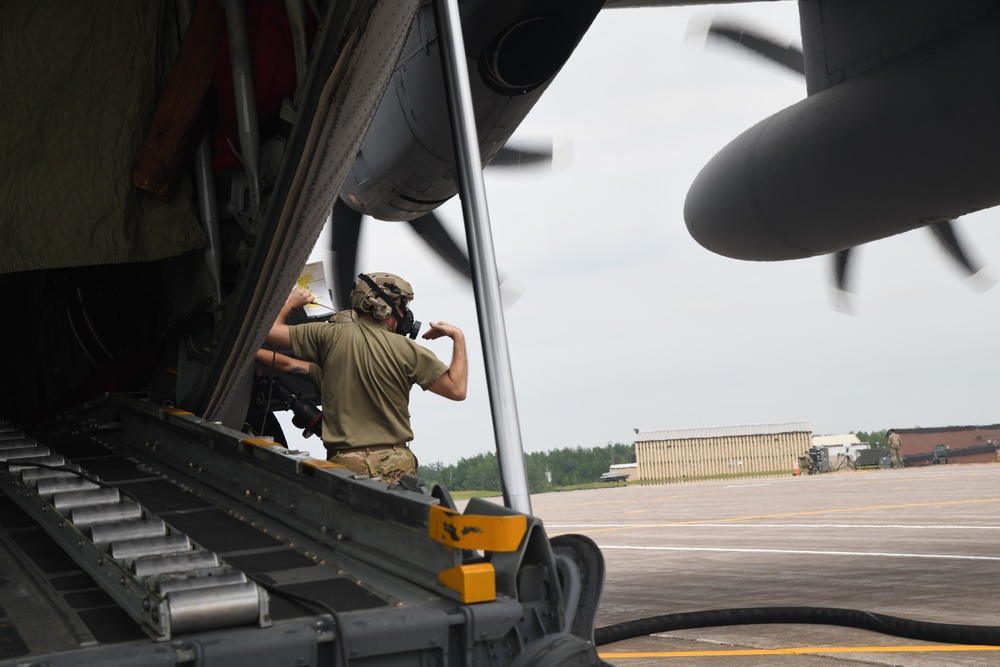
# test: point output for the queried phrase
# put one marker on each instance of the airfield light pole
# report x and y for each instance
(472, 191)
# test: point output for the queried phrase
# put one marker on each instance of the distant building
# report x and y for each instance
(720, 450)
(964, 444)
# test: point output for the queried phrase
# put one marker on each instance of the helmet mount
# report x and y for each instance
(369, 297)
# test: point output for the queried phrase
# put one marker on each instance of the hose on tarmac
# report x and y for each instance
(890, 625)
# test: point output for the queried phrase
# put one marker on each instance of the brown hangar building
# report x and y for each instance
(965, 444)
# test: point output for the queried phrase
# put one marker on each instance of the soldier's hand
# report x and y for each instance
(439, 329)
(299, 297)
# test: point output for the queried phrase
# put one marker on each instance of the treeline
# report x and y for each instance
(874, 439)
(546, 470)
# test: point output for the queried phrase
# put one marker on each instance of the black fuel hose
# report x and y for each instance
(949, 633)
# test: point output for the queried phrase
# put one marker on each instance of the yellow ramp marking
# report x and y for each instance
(475, 531)
(260, 442)
(320, 463)
(476, 582)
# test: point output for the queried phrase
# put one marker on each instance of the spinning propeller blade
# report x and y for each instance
(345, 230)
(842, 290)
(841, 261)
(786, 55)
(509, 156)
(944, 231)
(432, 231)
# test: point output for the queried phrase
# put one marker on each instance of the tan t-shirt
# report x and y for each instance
(367, 372)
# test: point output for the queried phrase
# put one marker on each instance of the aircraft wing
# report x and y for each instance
(842, 40)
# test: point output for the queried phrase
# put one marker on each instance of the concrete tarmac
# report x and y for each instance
(919, 543)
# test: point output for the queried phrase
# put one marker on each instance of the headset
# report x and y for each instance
(405, 325)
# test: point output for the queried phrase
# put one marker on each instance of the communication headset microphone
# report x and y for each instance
(406, 325)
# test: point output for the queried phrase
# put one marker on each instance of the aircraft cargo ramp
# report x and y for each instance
(137, 535)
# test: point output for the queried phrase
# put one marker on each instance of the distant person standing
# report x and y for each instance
(895, 442)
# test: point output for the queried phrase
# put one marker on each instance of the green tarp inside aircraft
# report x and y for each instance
(80, 82)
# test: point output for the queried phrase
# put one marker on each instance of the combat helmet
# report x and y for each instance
(366, 298)
(377, 293)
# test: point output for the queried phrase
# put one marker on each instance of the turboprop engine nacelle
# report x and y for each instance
(905, 144)
(406, 166)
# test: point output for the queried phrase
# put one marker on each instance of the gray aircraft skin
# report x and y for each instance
(896, 134)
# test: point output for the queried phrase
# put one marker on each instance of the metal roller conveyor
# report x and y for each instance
(23, 452)
(169, 585)
(148, 566)
(149, 546)
(92, 515)
(159, 577)
(28, 463)
(34, 474)
(106, 533)
(13, 443)
(48, 487)
(68, 500)
(214, 607)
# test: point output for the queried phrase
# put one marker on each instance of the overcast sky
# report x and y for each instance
(625, 322)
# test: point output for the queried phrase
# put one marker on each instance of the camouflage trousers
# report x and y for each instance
(390, 462)
(897, 458)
